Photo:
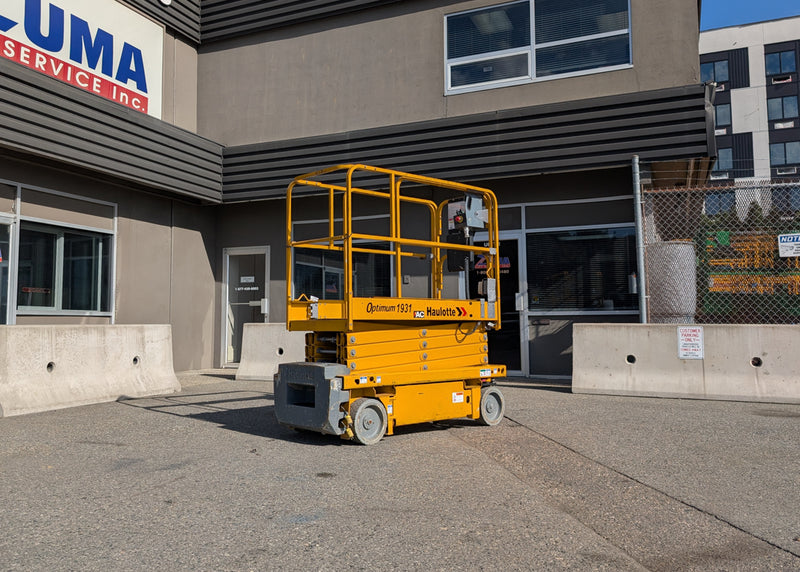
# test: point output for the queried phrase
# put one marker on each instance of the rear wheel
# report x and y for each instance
(493, 406)
(369, 420)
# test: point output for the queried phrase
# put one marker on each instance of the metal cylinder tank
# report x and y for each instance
(672, 282)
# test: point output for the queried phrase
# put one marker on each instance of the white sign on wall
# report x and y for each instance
(788, 245)
(99, 46)
(690, 342)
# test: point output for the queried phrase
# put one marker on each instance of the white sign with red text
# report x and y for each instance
(690, 342)
(99, 46)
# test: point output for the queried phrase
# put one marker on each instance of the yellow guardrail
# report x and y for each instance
(336, 185)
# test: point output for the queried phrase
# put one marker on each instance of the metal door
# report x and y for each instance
(246, 296)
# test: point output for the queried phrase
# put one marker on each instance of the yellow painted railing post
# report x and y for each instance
(289, 294)
(347, 231)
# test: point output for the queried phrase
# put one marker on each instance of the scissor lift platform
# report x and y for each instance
(376, 362)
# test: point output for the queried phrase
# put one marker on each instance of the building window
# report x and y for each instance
(320, 273)
(786, 199)
(522, 41)
(784, 153)
(722, 113)
(782, 107)
(781, 63)
(714, 71)
(580, 270)
(724, 160)
(720, 202)
(63, 270)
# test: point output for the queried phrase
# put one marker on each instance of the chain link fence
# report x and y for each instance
(723, 254)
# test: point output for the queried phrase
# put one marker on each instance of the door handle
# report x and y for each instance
(263, 303)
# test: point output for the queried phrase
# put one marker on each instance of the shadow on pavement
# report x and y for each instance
(540, 384)
(252, 412)
(261, 422)
(238, 411)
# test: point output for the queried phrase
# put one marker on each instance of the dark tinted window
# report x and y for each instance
(781, 62)
(490, 30)
(581, 270)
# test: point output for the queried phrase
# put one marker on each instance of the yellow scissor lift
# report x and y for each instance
(376, 362)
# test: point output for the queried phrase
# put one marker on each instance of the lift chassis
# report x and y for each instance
(393, 336)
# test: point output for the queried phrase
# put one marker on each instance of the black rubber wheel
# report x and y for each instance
(369, 420)
(493, 406)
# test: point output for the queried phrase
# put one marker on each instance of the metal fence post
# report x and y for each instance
(637, 207)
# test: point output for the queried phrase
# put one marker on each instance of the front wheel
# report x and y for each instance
(493, 406)
(369, 420)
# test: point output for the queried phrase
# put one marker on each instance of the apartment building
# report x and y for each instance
(756, 107)
(146, 146)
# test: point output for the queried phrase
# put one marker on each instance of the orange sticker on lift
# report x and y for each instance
(458, 397)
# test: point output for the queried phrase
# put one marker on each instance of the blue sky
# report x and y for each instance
(722, 13)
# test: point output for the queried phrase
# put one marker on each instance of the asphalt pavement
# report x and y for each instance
(207, 480)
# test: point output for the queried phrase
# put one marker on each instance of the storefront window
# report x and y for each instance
(85, 267)
(37, 259)
(582, 270)
(63, 270)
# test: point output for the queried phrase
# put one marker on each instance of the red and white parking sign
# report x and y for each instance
(690, 342)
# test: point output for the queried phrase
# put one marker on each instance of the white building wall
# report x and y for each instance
(750, 35)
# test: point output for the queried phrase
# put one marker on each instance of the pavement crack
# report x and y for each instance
(654, 529)
(659, 491)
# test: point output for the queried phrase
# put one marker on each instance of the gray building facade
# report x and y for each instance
(146, 148)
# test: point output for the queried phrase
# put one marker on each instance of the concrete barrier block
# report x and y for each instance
(756, 361)
(52, 367)
(265, 346)
(740, 362)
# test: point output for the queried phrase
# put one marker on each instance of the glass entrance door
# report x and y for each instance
(577, 275)
(505, 345)
(5, 255)
(246, 296)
